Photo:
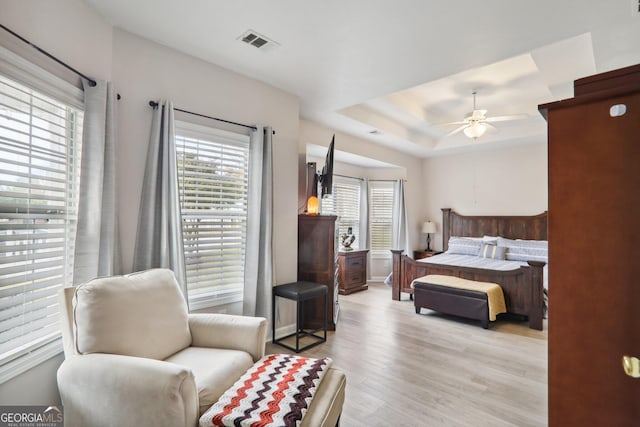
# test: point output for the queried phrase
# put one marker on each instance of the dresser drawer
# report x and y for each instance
(354, 278)
(355, 262)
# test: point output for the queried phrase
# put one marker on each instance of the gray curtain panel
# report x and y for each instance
(97, 249)
(401, 229)
(258, 270)
(159, 240)
(364, 220)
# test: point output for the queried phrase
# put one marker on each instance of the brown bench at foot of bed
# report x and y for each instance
(459, 302)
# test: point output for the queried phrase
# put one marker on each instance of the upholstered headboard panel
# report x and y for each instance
(512, 227)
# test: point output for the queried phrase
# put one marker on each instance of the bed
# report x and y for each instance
(522, 284)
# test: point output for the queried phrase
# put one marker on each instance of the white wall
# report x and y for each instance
(37, 386)
(505, 181)
(142, 70)
(339, 168)
(68, 29)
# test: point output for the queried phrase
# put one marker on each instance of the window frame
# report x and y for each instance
(375, 186)
(23, 72)
(328, 207)
(225, 294)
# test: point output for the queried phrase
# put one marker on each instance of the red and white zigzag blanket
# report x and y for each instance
(276, 391)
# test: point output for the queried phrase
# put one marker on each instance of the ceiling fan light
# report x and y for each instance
(475, 130)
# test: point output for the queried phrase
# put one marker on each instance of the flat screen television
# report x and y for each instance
(326, 176)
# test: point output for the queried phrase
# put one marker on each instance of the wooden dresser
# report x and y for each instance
(594, 202)
(317, 262)
(352, 271)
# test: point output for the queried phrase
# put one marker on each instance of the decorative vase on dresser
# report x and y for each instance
(317, 262)
(352, 271)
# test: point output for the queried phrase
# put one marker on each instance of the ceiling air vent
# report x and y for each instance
(257, 40)
(635, 8)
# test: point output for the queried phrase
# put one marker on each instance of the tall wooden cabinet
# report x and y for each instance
(594, 251)
(317, 262)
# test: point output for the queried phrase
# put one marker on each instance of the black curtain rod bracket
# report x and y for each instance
(154, 104)
(91, 81)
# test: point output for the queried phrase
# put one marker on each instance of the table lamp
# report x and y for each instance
(428, 228)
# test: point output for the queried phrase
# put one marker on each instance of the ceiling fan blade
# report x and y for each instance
(461, 122)
(506, 118)
(456, 130)
(491, 127)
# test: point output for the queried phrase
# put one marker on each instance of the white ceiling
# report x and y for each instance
(403, 67)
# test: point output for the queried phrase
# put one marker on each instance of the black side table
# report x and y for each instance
(299, 292)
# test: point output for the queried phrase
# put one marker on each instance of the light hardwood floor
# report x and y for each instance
(405, 369)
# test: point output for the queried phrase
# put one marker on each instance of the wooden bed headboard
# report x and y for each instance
(512, 227)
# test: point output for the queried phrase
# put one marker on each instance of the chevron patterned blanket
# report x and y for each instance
(276, 391)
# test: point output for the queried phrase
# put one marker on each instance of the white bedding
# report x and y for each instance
(479, 262)
(473, 261)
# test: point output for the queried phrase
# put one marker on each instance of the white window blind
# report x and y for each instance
(345, 203)
(40, 146)
(380, 216)
(213, 179)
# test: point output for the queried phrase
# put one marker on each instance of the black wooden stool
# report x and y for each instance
(299, 292)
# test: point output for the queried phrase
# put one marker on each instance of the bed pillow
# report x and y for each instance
(490, 239)
(525, 250)
(464, 246)
(492, 251)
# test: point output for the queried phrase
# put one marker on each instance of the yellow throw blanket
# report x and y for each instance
(495, 297)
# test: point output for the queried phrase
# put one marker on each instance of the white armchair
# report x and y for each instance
(136, 357)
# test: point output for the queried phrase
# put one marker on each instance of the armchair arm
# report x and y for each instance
(229, 331)
(100, 390)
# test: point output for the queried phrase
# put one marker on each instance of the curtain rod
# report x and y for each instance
(362, 179)
(91, 81)
(347, 176)
(154, 104)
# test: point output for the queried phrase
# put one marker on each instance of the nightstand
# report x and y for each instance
(424, 254)
(352, 271)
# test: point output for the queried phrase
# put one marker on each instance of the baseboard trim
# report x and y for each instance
(282, 331)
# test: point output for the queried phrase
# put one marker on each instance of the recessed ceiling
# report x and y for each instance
(402, 67)
(511, 87)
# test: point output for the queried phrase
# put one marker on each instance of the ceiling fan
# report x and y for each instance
(476, 123)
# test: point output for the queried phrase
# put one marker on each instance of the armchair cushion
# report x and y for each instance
(142, 314)
(215, 370)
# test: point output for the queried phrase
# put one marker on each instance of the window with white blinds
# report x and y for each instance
(345, 203)
(40, 146)
(380, 216)
(213, 178)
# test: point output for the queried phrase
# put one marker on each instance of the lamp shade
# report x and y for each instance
(428, 227)
(312, 206)
(475, 130)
